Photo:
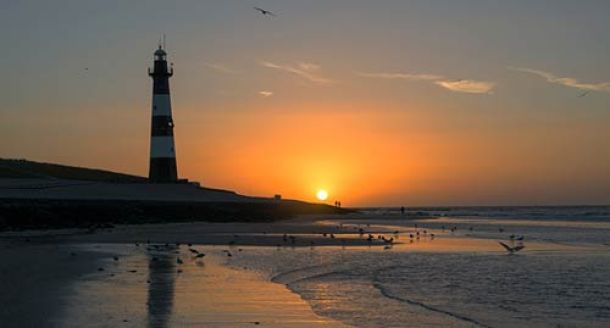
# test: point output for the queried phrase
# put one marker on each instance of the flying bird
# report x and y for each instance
(264, 12)
(583, 94)
(512, 250)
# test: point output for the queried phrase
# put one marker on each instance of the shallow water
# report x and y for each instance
(457, 279)
(561, 279)
(404, 289)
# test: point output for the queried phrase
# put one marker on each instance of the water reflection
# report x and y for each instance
(161, 279)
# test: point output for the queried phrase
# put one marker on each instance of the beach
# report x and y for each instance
(316, 271)
(305, 164)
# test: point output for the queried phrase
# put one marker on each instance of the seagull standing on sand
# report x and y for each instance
(264, 12)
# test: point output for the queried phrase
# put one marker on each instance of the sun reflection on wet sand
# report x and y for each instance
(149, 287)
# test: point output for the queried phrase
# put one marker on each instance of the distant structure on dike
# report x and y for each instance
(162, 148)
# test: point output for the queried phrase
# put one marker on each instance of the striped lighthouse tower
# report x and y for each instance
(162, 150)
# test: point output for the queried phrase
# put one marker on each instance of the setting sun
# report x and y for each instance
(322, 194)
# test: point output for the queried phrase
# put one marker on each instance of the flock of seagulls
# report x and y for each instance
(387, 242)
(194, 253)
(515, 245)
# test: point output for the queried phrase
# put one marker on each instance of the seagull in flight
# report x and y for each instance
(583, 94)
(512, 250)
(264, 12)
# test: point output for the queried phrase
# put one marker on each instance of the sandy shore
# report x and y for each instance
(70, 278)
(82, 285)
(145, 275)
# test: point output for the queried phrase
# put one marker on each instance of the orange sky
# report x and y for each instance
(367, 155)
(402, 103)
(361, 153)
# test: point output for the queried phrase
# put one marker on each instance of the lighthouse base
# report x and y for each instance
(163, 170)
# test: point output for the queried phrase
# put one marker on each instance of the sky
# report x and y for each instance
(415, 103)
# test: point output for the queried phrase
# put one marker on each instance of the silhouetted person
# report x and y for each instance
(402, 210)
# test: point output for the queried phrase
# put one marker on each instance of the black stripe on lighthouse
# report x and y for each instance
(163, 167)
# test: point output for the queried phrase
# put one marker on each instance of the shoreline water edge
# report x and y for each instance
(442, 272)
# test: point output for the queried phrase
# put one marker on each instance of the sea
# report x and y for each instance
(563, 281)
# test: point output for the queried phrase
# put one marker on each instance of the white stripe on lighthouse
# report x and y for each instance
(162, 147)
(161, 105)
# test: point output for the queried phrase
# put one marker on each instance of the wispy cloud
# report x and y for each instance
(565, 81)
(465, 86)
(221, 68)
(402, 76)
(308, 71)
(266, 93)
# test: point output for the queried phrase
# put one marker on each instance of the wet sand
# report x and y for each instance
(71, 278)
(35, 279)
(82, 285)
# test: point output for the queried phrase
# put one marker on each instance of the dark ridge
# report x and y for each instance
(21, 214)
(24, 169)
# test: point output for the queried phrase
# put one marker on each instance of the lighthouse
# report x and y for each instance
(162, 148)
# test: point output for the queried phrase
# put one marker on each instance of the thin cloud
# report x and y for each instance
(402, 76)
(464, 86)
(307, 71)
(565, 81)
(266, 93)
(221, 68)
(467, 86)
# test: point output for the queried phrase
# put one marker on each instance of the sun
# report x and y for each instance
(322, 194)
